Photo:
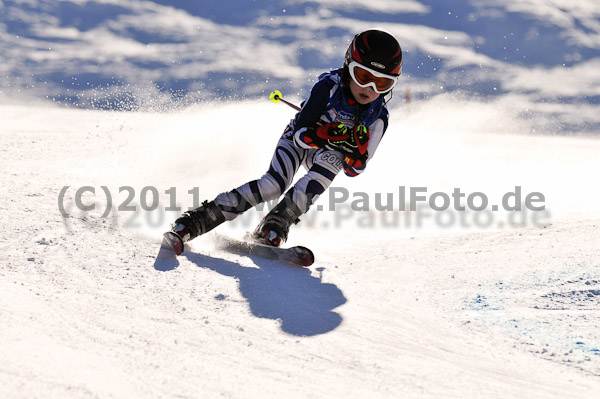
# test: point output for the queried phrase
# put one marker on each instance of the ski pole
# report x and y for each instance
(276, 97)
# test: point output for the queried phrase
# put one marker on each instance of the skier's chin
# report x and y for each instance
(364, 99)
(364, 96)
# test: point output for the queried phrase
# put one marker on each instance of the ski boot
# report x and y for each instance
(193, 223)
(274, 228)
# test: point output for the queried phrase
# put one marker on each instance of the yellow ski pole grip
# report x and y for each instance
(275, 96)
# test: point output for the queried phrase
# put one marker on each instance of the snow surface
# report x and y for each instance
(93, 307)
(418, 304)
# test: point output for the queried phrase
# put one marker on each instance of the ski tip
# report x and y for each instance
(174, 241)
(308, 258)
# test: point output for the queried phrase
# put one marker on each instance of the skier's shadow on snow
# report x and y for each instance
(302, 302)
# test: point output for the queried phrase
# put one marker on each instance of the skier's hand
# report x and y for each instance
(326, 136)
(333, 133)
(352, 143)
(359, 141)
(355, 147)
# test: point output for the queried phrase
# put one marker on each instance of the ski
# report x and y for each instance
(297, 255)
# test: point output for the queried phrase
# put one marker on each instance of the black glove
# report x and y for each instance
(326, 136)
(338, 137)
(357, 145)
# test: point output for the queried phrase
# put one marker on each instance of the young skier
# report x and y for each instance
(339, 127)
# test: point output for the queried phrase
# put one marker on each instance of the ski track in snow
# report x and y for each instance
(93, 306)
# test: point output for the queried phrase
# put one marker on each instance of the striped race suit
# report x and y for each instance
(330, 101)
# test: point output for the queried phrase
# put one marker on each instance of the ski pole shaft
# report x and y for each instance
(276, 97)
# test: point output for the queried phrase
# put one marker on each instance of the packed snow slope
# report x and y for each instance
(446, 305)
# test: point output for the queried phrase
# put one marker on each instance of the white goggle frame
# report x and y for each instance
(372, 85)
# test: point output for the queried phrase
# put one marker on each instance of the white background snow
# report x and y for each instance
(173, 95)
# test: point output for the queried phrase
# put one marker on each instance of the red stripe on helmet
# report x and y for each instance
(355, 54)
(365, 40)
(396, 71)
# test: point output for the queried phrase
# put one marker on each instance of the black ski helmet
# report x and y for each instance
(377, 50)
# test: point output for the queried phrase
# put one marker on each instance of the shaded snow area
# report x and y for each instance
(127, 54)
(93, 306)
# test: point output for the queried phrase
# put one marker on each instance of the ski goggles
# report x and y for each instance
(366, 77)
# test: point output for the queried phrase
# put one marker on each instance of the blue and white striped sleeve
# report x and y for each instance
(312, 110)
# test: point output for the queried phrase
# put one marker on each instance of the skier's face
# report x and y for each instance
(363, 95)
